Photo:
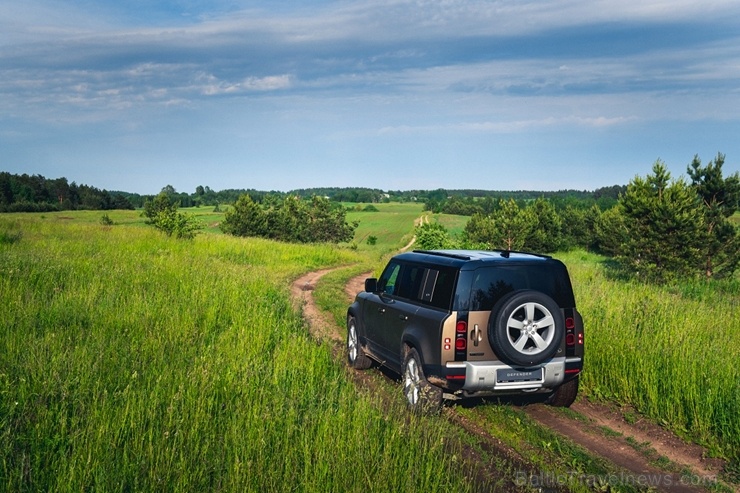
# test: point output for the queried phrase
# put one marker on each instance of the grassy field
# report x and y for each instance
(392, 226)
(669, 351)
(134, 362)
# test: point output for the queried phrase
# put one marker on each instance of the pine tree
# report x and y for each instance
(720, 198)
(665, 227)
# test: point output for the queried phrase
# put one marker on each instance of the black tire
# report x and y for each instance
(421, 396)
(564, 395)
(526, 328)
(356, 357)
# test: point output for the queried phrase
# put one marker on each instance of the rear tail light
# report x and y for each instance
(461, 339)
(570, 332)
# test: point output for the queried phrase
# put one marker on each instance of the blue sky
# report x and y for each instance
(389, 94)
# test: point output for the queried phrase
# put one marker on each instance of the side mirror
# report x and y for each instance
(371, 285)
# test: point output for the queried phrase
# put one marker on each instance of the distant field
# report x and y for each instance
(455, 224)
(392, 225)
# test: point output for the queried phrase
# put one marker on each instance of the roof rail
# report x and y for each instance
(506, 253)
(503, 253)
(444, 254)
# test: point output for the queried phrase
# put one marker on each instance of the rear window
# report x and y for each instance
(490, 284)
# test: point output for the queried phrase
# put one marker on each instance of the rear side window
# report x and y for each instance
(492, 283)
(444, 286)
(417, 283)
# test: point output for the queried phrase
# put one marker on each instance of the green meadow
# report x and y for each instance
(671, 352)
(130, 361)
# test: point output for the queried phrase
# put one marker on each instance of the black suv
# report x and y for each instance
(463, 323)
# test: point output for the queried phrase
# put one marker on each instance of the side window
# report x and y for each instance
(430, 286)
(412, 278)
(434, 287)
(388, 281)
(444, 286)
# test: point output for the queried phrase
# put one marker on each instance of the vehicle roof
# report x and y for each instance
(458, 258)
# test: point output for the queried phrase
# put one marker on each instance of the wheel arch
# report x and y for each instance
(418, 339)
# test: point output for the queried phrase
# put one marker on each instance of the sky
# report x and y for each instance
(391, 94)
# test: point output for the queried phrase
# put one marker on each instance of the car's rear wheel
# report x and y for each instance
(564, 395)
(356, 357)
(421, 396)
(526, 328)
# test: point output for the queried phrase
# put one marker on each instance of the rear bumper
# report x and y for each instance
(488, 376)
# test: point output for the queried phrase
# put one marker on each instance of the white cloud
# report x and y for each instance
(213, 86)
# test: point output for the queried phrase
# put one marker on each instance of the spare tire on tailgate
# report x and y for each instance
(525, 328)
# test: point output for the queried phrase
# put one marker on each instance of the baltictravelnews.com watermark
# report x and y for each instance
(547, 479)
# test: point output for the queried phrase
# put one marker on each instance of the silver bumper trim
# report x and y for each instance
(483, 375)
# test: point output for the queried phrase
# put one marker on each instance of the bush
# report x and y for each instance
(293, 220)
(162, 214)
(433, 236)
(106, 220)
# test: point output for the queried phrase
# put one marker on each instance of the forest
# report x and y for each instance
(36, 193)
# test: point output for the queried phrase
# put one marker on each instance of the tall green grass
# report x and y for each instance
(134, 362)
(670, 351)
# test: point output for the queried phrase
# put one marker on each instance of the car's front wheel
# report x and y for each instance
(356, 357)
(421, 396)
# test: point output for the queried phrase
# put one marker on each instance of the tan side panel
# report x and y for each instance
(448, 332)
(479, 348)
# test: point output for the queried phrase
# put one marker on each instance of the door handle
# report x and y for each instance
(403, 317)
(475, 335)
(381, 310)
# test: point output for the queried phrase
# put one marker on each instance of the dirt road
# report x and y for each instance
(635, 446)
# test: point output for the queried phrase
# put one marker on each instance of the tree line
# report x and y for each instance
(470, 202)
(35, 193)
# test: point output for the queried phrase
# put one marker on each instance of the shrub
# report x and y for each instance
(432, 236)
(105, 220)
(162, 214)
(293, 220)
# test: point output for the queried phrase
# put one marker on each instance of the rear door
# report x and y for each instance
(421, 304)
